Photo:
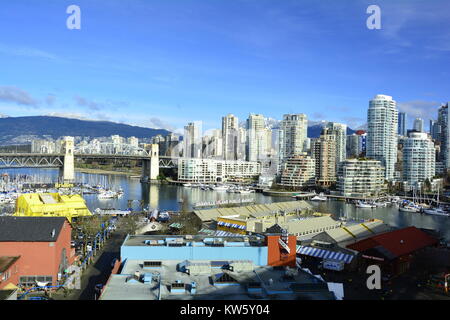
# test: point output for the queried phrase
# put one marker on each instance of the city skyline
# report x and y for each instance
(207, 60)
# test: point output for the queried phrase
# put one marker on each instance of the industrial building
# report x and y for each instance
(40, 247)
(212, 268)
(348, 234)
(294, 224)
(392, 251)
(330, 247)
(51, 205)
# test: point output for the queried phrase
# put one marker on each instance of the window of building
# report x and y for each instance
(30, 281)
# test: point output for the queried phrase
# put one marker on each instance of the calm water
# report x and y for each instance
(166, 197)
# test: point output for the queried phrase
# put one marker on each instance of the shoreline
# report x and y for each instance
(102, 171)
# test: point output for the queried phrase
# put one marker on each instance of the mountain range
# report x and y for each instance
(21, 130)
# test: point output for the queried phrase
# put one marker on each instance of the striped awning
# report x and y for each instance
(221, 233)
(324, 254)
(231, 225)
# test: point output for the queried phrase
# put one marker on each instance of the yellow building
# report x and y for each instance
(51, 205)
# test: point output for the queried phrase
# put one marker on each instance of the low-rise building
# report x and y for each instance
(43, 246)
(360, 178)
(51, 205)
(348, 234)
(213, 171)
(260, 211)
(392, 251)
(294, 224)
(215, 268)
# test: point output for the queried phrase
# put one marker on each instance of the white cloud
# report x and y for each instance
(420, 108)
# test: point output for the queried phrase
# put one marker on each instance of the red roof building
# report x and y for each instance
(394, 250)
(44, 247)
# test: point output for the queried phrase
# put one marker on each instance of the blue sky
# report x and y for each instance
(164, 63)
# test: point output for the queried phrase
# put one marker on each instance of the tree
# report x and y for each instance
(129, 224)
(427, 185)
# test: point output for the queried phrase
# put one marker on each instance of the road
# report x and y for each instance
(100, 269)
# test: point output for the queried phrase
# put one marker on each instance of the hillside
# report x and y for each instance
(20, 130)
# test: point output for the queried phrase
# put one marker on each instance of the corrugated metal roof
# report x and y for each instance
(357, 231)
(316, 223)
(256, 211)
(398, 242)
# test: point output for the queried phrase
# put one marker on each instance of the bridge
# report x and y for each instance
(151, 161)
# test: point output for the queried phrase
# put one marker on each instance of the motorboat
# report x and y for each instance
(319, 197)
(220, 188)
(409, 208)
(436, 212)
(380, 204)
(365, 205)
(247, 191)
(187, 185)
(108, 194)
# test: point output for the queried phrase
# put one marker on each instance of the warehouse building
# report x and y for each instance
(51, 205)
(255, 211)
(348, 234)
(392, 251)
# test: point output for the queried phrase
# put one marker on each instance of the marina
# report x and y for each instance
(168, 197)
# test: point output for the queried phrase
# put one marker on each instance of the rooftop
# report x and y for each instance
(396, 243)
(216, 283)
(253, 211)
(30, 229)
(192, 240)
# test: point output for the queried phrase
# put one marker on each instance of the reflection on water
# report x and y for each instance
(167, 197)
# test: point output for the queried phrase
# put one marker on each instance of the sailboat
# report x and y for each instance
(437, 211)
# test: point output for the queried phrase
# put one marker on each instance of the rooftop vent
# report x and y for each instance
(152, 264)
